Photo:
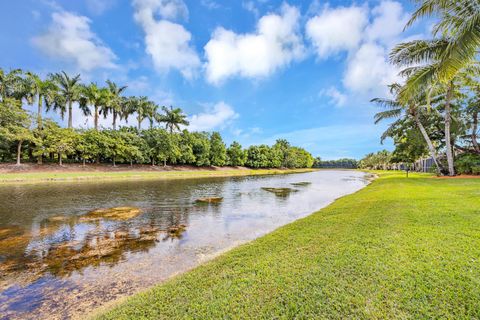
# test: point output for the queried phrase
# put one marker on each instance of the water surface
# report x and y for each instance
(55, 263)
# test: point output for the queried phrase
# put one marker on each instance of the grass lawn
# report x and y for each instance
(400, 248)
(75, 176)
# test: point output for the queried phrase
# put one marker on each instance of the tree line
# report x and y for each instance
(436, 108)
(29, 136)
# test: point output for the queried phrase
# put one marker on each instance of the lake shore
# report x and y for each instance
(33, 173)
(399, 248)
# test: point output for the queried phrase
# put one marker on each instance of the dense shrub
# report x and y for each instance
(468, 163)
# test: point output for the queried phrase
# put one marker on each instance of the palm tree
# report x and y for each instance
(459, 21)
(69, 92)
(396, 109)
(116, 104)
(422, 60)
(41, 91)
(11, 84)
(94, 96)
(141, 106)
(173, 118)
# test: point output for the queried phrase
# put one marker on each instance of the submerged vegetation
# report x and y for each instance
(30, 137)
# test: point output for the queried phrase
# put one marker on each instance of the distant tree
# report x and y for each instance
(186, 142)
(11, 84)
(116, 103)
(173, 118)
(236, 155)
(258, 156)
(201, 148)
(97, 97)
(15, 124)
(218, 151)
(68, 93)
(61, 141)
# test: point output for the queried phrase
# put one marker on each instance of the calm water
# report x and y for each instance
(55, 264)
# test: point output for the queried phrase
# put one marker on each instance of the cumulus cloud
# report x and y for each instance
(366, 36)
(167, 42)
(70, 38)
(337, 29)
(389, 21)
(275, 43)
(216, 117)
(368, 70)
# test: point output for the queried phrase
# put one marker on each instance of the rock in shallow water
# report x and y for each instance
(116, 213)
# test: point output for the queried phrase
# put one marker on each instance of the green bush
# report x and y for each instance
(468, 163)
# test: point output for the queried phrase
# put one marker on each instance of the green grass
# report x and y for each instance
(86, 175)
(400, 248)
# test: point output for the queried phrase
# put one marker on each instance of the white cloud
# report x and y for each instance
(69, 37)
(368, 70)
(389, 21)
(275, 43)
(216, 117)
(366, 35)
(210, 4)
(337, 29)
(168, 43)
(336, 97)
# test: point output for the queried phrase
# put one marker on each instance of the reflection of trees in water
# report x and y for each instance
(64, 245)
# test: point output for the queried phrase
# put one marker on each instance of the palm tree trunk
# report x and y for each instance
(113, 158)
(83, 161)
(95, 118)
(448, 138)
(139, 119)
(19, 151)
(164, 162)
(39, 124)
(60, 158)
(114, 123)
(474, 132)
(431, 148)
(70, 114)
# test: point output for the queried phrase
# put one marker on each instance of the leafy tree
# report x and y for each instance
(201, 148)
(11, 84)
(236, 155)
(61, 141)
(258, 156)
(218, 151)
(15, 124)
(186, 142)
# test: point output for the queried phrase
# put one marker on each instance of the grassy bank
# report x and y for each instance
(32, 177)
(400, 248)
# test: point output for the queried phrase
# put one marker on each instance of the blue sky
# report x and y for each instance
(254, 70)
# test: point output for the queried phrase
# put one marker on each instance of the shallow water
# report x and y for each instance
(54, 263)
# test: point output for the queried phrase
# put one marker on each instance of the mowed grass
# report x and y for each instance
(75, 176)
(398, 249)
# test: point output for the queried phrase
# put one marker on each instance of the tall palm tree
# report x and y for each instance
(92, 95)
(116, 103)
(173, 118)
(396, 109)
(41, 91)
(422, 60)
(68, 93)
(141, 106)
